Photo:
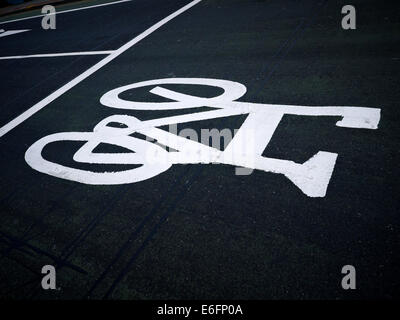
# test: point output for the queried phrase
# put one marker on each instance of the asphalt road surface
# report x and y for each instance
(200, 231)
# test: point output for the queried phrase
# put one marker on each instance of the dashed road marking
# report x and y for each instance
(11, 32)
(62, 54)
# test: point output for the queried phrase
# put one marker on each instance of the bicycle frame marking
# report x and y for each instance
(244, 150)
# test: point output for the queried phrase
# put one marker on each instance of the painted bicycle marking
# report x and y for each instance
(244, 150)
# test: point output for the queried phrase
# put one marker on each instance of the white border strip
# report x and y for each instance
(41, 104)
(63, 54)
(65, 11)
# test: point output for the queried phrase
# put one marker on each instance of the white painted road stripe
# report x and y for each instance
(63, 54)
(41, 104)
(65, 11)
(10, 32)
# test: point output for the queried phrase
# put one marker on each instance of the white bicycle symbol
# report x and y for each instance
(311, 177)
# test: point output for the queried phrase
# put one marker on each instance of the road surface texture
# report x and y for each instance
(199, 231)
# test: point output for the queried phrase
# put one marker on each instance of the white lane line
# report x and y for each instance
(41, 104)
(63, 54)
(65, 11)
(10, 32)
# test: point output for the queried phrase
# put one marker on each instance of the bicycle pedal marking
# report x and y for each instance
(244, 150)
